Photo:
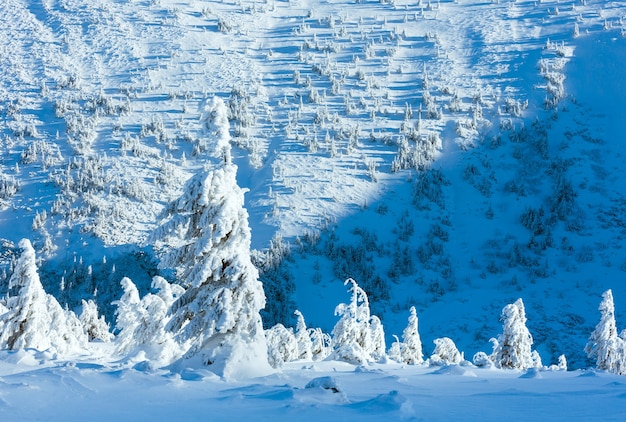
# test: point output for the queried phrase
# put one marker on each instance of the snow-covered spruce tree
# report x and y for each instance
(34, 318)
(142, 321)
(378, 339)
(303, 338)
(513, 348)
(208, 241)
(352, 336)
(604, 344)
(321, 344)
(282, 345)
(94, 325)
(445, 353)
(411, 347)
(395, 351)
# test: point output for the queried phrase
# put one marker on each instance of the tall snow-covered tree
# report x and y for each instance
(34, 318)
(208, 240)
(513, 348)
(411, 348)
(604, 343)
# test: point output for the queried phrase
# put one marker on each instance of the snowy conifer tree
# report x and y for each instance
(142, 321)
(303, 338)
(411, 348)
(352, 335)
(321, 344)
(395, 351)
(127, 316)
(34, 318)
(513, 349)
(445, 352)
(604, 344)
(282, 345)
(378, 339)
(209, 238)
(95, 326)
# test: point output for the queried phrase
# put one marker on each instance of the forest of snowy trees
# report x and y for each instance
(211, 316)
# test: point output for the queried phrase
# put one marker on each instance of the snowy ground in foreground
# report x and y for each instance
(31, 390)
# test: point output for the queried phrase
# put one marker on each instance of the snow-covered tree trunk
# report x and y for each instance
(604, 344)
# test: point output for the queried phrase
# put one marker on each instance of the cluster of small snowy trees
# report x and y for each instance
(358, 337)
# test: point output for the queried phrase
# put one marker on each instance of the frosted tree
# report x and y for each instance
(142, 321)
(35, 319)
(378, 339)
(395, 351)
(513, 348)
(303, 338)
(321, 344)
(282, 345)
(216, 127)
(604, 344)
(411, 348)
(445, 352)
(128, 315)
(208, 241)
(352, 336)
(94, 325)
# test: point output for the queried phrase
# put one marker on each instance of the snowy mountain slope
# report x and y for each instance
(335, 107)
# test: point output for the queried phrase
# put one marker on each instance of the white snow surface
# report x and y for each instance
(102, 111)
(33, 388)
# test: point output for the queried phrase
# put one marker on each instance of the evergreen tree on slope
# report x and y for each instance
(34, 318)
(604, 343)
(217, 317)
(353, 336)
(513, 349)
(142, 321)
(411, 348)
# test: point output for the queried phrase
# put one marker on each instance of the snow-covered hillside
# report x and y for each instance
(452, 155)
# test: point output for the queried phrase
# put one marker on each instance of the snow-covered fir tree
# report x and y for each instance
(207, 238)
(604, 344)
(378, 339)
(411, 347)
(445, 353)
(513, 348)
(395, 351)
(282, 345)
(321, 344)
(352, 335)
(94, 325)
(142, 321)
(303, 338)
(35, 319)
